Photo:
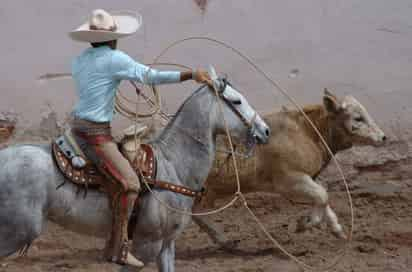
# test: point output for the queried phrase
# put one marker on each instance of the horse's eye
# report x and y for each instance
(236, 102)
(359, 119)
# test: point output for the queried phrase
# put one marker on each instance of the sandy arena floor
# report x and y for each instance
(381, 184)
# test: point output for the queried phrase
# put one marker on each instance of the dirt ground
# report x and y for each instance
(382, 241)
(351, 47)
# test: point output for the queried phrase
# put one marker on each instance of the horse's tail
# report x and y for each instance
(24, 175)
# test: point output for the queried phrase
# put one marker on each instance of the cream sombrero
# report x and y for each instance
(103, 26)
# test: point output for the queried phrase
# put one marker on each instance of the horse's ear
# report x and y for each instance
(331, 102)
(326, 92)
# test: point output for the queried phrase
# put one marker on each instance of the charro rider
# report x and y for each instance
(97, 73)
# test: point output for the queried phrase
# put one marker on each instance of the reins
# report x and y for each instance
(219, 93)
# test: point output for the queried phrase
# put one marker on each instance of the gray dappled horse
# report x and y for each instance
(185, 151)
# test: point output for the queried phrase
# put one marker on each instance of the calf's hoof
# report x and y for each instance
(303, 224)
(340, 235)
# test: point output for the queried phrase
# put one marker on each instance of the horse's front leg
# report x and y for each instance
(166, 258)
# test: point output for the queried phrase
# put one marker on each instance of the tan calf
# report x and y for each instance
(295, 155)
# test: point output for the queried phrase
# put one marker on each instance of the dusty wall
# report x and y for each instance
(357, 47)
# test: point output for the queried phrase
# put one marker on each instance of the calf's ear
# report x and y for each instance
(331, 102)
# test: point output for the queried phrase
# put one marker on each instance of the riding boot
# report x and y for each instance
(121, 254)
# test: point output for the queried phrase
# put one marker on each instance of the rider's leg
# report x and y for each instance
(120, 169)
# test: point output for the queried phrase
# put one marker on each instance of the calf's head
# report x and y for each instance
(352, 120)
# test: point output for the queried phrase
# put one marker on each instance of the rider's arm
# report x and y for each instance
(124, 67)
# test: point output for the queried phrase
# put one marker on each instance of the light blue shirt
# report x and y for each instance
(97, 73)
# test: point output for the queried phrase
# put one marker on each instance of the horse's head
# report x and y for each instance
(243, 122)
(354, 120)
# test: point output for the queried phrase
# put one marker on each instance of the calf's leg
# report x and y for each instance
(215, 233)
(302, 185)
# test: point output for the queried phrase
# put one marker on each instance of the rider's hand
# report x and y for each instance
(201, 76)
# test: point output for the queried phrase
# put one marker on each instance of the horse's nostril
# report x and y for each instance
(384, 138)
(267, 132)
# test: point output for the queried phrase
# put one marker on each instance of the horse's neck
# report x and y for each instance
(187, 144)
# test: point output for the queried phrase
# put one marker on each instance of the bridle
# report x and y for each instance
(250, 124)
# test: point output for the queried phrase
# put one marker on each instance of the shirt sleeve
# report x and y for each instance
(124, 67)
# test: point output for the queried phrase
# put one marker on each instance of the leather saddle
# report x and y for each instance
(77, 169)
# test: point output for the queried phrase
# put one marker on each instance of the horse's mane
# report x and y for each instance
(179, 110)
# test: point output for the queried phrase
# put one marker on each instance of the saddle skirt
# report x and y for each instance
(67, 155)
(81, 171)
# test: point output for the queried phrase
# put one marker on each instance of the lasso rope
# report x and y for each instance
(239, 194)
(122, 108)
